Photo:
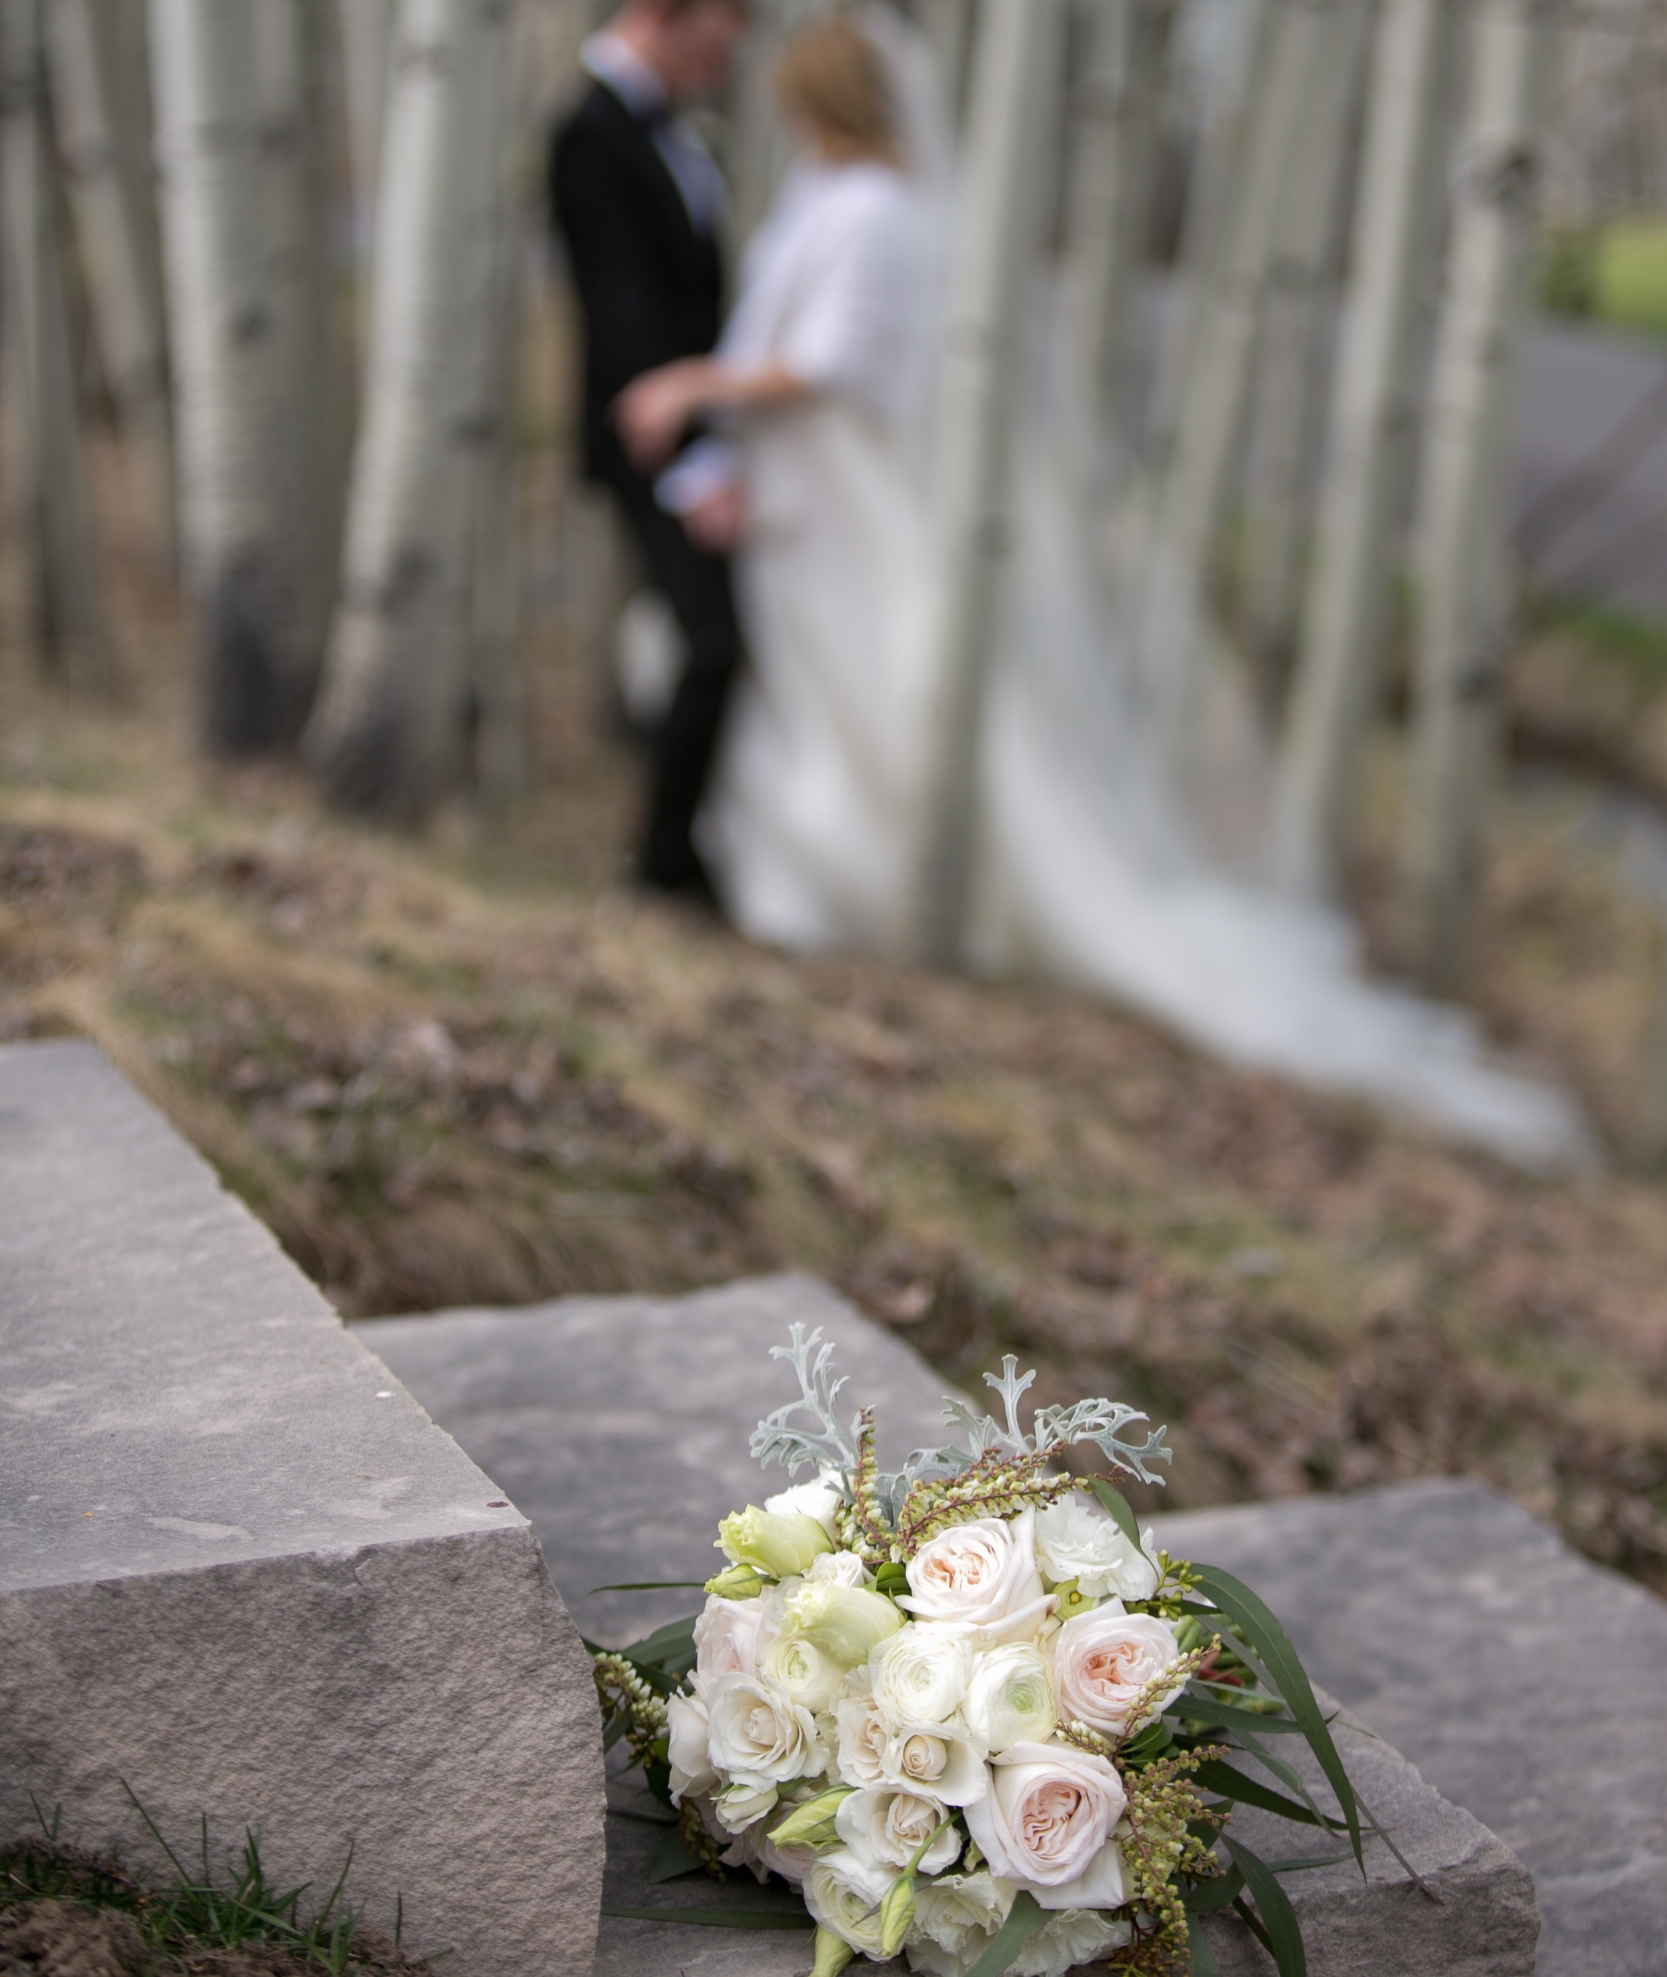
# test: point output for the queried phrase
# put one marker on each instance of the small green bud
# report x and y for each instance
(811, 1824)
(897, 1911)
(891, 1578)
(739, 1582)
(832, 1954)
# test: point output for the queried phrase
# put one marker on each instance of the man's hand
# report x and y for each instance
(717, 522)
(652, 412)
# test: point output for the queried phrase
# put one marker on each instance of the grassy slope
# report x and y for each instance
(471, 1070)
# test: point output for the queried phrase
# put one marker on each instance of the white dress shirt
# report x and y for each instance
(617, 66)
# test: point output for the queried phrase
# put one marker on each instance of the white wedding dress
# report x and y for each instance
(1086, 873)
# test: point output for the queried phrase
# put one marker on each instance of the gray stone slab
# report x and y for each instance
(1524, 1681)
(243, 1572)
(620, 1425)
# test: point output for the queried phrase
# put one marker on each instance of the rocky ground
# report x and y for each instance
(472, 1069)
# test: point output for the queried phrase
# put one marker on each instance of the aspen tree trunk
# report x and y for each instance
(949, 26)
(293, 49)
(500, 737)
(387, 735)
(64, 603)
(1462, 548)
(104, 143)
(1197, 485)
(1346, 611)
(367, 45)
(1014, 61)
(1292, 383)
(241, 560)
(1111, 188)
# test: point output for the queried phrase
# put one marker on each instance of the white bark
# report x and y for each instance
(366, 44)
(1461, 633)
(760, 144)
(1013, 65)
(1120, 108)
(102, 123)
(64, 603)
(241, 560)
(387, 734)
(1291, 385)
(1345, 618)
(1196, 488)
(949, 26)
(293, 48)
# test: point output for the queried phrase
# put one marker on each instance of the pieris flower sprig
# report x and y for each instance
(970, 1711)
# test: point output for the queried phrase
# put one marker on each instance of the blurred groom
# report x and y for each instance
(640, 203)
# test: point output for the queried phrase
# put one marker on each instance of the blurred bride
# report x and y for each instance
(816, 816)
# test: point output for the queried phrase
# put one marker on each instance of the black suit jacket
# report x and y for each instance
(650, 282)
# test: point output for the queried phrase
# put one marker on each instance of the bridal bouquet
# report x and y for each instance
(969, 1710)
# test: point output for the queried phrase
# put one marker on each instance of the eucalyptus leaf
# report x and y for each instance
(1200, 1961)
(1219, 1776)
(649, 1586)
(1122, 1515)
(672, 1859)
(1024, 1919)
(1274, 1906)
(1209, 1896)
(718, 1918)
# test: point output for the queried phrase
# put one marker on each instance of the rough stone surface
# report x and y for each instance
(243, 1572)
(1524, 1681)
(620, 1426)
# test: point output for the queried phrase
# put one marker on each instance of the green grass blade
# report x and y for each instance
(1264, 1633)
(1024, 1919)
(1274, 1907)
(718, 1918)
(173, 1858)
(1118, 1505)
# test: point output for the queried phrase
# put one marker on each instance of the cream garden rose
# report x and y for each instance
(1047, 1822)
(757, 1734)
(886, 1824)
(1009, 1697)
(981, 1575)
(1077, 1540)
(1101, 1663)
(920, 1675)
(862, 1731)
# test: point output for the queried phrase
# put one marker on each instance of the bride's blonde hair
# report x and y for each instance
(833, 78)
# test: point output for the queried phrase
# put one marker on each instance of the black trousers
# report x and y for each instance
(697, 588)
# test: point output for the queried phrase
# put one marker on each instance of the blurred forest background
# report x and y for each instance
(316, 762)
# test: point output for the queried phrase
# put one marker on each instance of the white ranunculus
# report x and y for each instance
(843, 1892)
(821, 1500)
(862, 1732)
(691, 1766)
(803, 1672)
(729, 1636)
(839, 1568)
(1047, 1822)
(742, 1805)
(944, 1759)
(1101, 1663)
(1078, 1540)
(758, 1735)
(778, 1544)
(921, 1674)
(885, 1824)
(846, 1622)
(981, 1575)
(954, 1921)
(1010, 1697)
(1075, 1937)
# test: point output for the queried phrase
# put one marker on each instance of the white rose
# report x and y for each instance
(1010, 1697)
(921, 1674)
(954, 1921)
(885, 1824)
(691, 1766)
(839, 1568)
(1075, 1937)
(843, 1892)
(1102, 1661)
(1078, 1540)
(821, 1500)
(863, 1733)
(728, 1638)
(1047, 1822)
(802, 1672)
(941, 1758)
(742, 1805)
(982, 1575)
(756, 1734)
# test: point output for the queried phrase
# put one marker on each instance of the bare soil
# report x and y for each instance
(471, 1068)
